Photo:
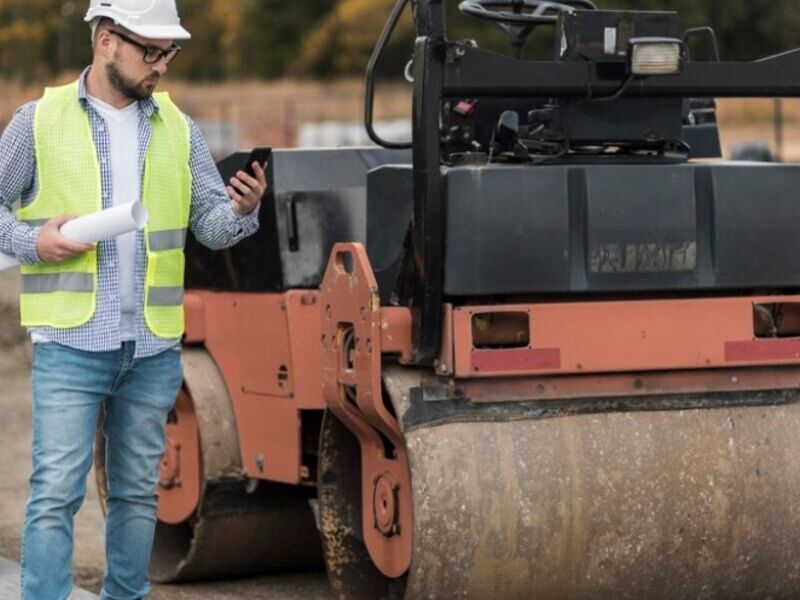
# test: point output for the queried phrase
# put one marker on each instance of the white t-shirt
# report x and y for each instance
(123, 131)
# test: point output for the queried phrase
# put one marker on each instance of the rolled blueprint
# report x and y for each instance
(106, 224)
(98, 226)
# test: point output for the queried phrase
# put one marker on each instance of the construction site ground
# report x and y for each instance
(15, 446)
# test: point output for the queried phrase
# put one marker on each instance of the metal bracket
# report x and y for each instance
(353, 391)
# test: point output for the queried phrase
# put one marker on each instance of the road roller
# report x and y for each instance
(549, 348)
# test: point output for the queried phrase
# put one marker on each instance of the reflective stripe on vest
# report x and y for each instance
(165, 296)
(64, 295)
(170, 239)
(58, 282)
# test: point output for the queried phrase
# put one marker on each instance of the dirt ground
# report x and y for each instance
(15, 440)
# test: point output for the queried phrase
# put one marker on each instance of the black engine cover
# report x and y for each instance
(609, 228)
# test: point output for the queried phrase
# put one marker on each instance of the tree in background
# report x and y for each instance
(39, 38)
(344, 39)
(275, 31)
(231, 39)
(269, 39)
(216, 24)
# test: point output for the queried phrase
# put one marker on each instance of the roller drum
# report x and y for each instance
(684, 503)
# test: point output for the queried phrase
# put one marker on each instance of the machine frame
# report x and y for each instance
(446, 69)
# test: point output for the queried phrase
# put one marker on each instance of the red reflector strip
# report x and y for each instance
(759, 350)
(524, 359)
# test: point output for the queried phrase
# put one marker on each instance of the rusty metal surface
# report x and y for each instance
(304, 316)
(194, 318)
(396, 332)
(239, 534)
(351, 360)
(657, 383)
(351, 572)
(268, 426)
(445, 364)
(233, 532)
(263, 347)
(681, 504)
(437, 401)
(179, 474)
(623, 336)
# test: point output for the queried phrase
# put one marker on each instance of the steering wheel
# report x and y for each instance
(539, 12)
(524, 17)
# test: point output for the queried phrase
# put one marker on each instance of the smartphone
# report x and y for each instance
(259, 155)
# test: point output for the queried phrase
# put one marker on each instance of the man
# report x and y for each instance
(106, 321)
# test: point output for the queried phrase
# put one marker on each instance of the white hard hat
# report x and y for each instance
(154, 19)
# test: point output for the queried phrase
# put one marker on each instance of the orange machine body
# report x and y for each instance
(267, 347)
(270, 353)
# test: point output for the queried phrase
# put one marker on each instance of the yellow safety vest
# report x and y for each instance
(65, 295)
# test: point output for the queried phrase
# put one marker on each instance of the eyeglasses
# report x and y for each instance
(152, 54)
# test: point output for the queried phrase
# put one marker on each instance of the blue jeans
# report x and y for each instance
(69, 388)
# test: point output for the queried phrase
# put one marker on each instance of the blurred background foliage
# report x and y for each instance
(273, 39)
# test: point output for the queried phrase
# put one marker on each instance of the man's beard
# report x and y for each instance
(131, 90)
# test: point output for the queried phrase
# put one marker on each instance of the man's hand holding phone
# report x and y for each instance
(246, 189)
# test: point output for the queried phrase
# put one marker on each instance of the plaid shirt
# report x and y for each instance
(212, 220)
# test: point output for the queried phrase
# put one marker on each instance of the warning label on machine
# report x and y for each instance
(644, 258)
